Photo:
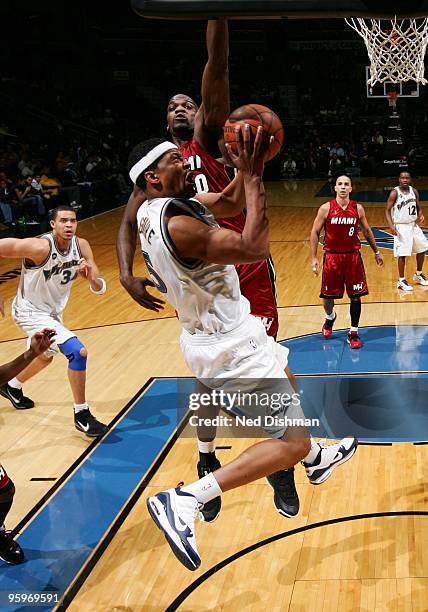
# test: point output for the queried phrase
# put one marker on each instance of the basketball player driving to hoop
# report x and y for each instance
(198, 132)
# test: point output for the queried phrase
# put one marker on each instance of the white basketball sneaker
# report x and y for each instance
(420, 278)
(404, 285)
(174, 511)
(328, 458)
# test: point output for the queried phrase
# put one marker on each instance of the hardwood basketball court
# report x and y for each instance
(359, 541)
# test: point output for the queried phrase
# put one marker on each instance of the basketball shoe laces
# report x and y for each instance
(197, 510)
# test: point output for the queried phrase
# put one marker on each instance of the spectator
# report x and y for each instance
(7, 204)
(289, 168)
(335, 167)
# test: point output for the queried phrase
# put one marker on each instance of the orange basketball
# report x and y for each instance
(255, 115)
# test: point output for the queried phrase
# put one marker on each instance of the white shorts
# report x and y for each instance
(33, 321)
(410, 240)
(248, 360)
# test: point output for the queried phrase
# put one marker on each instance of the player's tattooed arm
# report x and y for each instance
(315, 235)
(196, 240)
(389, 204)
(125, 249)
(368, 234)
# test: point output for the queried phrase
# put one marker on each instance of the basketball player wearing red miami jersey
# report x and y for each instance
(343, 265)
(198, 132)
(10, 551)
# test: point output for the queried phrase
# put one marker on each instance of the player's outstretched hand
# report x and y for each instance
(315, 266)
(137, 289)
(379, 259)
(41, 341)
(249, 157)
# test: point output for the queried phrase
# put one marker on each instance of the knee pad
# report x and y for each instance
(71, 349)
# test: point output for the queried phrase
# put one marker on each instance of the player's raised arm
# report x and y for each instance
(196, 240)
(389, 204)
(36, 249)
(315, 235)
(368, 234)
(125, 249)
(215, 107)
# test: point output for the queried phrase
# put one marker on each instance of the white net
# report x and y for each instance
(396, 48)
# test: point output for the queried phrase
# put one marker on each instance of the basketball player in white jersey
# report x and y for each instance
(402, 212)
(50, 264)
(192, 260)
(10, 551)
(198, 132)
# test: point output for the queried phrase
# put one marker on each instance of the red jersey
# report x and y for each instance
(257, 280)
(341, 228)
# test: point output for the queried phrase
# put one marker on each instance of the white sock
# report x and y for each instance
(80, 407)
(15, 383)
(206, 447)
(205, 489)
(331, 316)
(313, 453)
(402, 278)
(419, 272)
(353, 330)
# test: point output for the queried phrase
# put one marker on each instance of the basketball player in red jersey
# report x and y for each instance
(343, 265)
(10, 551)
(198, 132)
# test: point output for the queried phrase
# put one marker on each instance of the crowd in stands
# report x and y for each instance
(67, 139)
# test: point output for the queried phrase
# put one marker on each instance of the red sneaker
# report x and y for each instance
(327, 328)
(354, 340)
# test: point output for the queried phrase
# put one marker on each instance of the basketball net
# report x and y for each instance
(396, 54)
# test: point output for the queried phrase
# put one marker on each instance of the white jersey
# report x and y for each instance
(405, 209)
(47, 287)
(206, 296)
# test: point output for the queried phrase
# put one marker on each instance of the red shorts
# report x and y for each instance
(343, 269)
(4, 478)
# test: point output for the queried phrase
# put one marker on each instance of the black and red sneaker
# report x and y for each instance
(327, 328)
(354, 340)
(10, 551)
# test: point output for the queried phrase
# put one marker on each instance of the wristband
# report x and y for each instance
(103, 288)
(376, 253)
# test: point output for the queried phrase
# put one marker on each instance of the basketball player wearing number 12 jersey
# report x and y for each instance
(343, 265)
(402, 212)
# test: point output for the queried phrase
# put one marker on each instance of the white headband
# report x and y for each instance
(150, 158)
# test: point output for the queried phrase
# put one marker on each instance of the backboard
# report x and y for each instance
(271, 9)
(408, 89)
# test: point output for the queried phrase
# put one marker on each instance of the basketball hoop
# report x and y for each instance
(397, 52)
(392, 100)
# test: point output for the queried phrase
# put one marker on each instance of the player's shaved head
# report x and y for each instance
(176, 97)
